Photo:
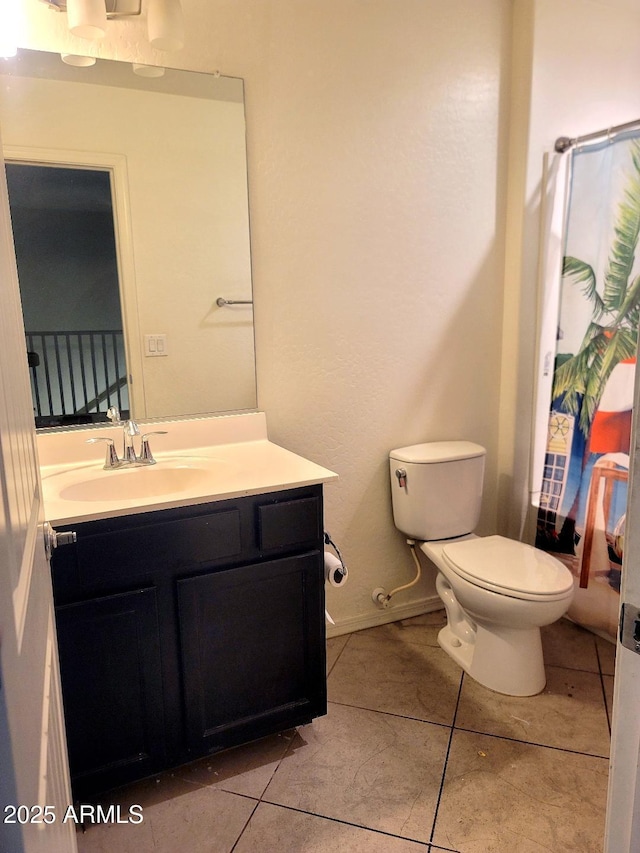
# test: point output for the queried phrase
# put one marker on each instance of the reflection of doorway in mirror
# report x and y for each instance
(68, 270)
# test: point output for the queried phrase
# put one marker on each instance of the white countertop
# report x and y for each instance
(199, 463)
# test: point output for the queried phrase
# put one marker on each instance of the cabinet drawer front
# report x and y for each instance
(285, 524)
(139, 551)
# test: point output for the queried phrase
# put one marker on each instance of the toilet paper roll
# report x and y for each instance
(334, 573)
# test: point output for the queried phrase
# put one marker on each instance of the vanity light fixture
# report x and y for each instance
(88, 18)
(148, 70)
(8, 29)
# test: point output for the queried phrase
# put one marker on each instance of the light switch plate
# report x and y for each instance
(155, 345)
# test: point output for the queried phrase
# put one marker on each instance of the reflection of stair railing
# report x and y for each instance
(76, 376)
(113, 392)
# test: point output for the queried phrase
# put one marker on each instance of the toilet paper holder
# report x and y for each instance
(339, 571)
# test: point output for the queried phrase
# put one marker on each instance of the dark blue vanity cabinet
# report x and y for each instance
(186, 631)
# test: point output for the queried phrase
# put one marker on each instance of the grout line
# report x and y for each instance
(470, 731)
(340, 653)
(242, 831)
(446, 759)
(571, 669)
(290, 746)
(604, 692)
(425, 844)
(534, 743)
(390, 714)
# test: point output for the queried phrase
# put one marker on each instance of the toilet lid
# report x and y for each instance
(509, 567)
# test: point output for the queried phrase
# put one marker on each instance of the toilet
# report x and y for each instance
(497, 592)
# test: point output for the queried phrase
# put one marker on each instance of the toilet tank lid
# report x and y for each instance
(437, 451)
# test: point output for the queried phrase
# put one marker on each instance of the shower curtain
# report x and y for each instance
(592, 303)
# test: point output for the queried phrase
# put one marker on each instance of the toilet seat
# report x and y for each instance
(508, 567)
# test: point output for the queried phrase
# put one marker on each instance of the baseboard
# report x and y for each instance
(384, 616)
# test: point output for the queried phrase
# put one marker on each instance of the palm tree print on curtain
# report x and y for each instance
(582, 511)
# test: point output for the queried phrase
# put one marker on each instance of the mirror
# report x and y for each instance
(173, 150)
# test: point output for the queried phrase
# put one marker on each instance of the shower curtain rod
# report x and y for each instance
(564, 143)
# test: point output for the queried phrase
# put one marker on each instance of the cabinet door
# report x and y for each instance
(112, 689)
(253, 651)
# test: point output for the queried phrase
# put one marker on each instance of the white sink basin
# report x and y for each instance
(136, 483)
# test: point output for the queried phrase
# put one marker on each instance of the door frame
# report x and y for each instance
(35, 771)
(116, 166)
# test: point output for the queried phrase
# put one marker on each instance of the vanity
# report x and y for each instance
(190, 608)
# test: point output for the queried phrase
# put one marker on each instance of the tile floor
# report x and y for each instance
(412, 756)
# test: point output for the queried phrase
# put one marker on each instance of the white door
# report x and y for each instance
(623, 808)
(34, 775)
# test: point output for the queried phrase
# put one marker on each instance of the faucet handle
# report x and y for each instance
(113, 414)
(145, 450)
(111, 460)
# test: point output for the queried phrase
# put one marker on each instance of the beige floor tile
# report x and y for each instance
(148, 792)
(244, 770)
(501, 796)
(335, 645)
(422, 630)
(607, 655)
(569, 645)
(201, 821)
(273, 828)
(374, 770)
(569, 713)
(385, 673)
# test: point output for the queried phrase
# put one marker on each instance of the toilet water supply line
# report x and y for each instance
(383, 598)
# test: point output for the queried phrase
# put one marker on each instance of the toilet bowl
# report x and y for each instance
(497, 592)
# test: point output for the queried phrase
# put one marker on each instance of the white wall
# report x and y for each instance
(377, 166)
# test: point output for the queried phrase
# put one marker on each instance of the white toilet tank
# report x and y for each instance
(436, 488)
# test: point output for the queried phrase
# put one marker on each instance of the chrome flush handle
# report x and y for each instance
(401, 474)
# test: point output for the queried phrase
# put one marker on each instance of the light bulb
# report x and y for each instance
(9, 13)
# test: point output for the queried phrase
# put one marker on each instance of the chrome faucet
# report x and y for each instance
(130, 430)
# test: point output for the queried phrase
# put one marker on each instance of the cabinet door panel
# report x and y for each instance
(112, 688)
(252, 650)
